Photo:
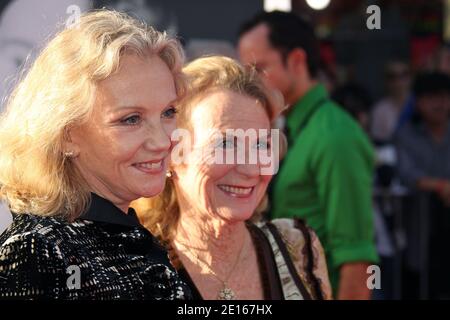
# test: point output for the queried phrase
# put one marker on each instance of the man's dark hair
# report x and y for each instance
(431, 83)
(287, 32)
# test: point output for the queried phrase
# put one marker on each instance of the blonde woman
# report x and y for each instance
(86, 132)
(204, 214)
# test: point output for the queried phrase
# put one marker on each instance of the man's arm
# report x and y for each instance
(353, 282)
(345, 177)
(414, 177)
(441, 187)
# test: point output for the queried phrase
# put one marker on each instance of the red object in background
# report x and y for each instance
(327, 55)
(422, 48)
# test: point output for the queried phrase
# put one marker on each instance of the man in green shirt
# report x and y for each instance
(326, 176)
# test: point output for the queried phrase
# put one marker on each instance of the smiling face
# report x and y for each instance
(224, 191)
(122, 150)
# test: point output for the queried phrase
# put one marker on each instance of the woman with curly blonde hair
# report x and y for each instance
(87, 131)
(206, 214)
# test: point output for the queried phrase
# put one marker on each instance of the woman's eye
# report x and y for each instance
(133, 120)
(226, 144)
(169, 113)
(262, 145)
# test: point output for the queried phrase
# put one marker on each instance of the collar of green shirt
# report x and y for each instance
(304, 109)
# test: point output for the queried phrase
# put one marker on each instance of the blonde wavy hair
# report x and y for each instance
(57, 93)
(161, 214)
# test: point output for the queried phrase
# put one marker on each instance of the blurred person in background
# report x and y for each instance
(326, 176)
(423, 147)
(439, 61)
(386, 112)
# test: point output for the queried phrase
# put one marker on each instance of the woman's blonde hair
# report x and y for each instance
(161, 214)
(58, 92)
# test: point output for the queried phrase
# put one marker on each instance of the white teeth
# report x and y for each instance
(236, 190)
(150, 165)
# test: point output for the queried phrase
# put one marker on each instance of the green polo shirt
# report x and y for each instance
(326, 179)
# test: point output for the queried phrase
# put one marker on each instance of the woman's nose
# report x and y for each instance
(157, 139)
(249, 170)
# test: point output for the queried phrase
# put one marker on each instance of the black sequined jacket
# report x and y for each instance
(105, 254)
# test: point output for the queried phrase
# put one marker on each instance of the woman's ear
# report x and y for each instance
(71, 149)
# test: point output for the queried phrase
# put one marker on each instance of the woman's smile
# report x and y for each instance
(236, 191)
(151, 167)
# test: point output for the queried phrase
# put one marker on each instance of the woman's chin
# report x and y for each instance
(233, 215)
(152, 191)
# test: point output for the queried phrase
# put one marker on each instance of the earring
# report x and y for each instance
(69, 154)
(169, 174)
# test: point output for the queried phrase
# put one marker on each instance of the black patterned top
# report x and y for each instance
(105, 254)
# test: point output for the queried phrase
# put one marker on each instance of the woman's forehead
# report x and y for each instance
(138, 83)
(224, 108)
